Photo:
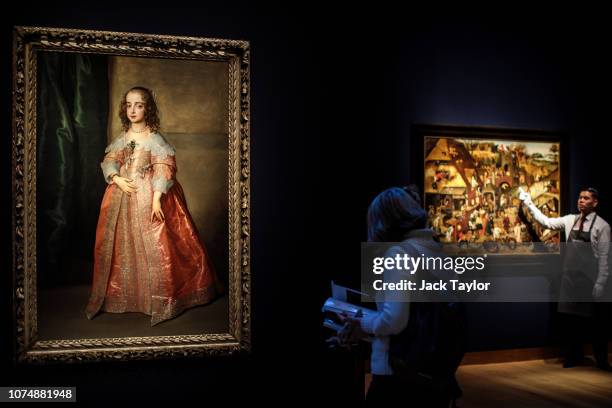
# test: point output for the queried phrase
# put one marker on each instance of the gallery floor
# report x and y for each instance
(537, 383)
(533, 384)
(61, 316)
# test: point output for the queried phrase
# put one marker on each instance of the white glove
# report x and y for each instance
(598, 290)
(525, 197)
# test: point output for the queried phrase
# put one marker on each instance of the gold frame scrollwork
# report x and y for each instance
(27, 41)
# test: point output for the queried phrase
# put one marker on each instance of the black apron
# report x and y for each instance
(579, 273)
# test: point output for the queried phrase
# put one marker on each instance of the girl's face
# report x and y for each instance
(135, 107)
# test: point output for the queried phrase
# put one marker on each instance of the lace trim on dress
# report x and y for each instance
(156, 144)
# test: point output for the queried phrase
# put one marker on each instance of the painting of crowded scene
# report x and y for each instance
(471, 192)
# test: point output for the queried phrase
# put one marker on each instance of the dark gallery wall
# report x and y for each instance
(518, 72)
(333, 101)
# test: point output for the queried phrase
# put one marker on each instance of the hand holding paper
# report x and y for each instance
(598, 290)
(524, 196)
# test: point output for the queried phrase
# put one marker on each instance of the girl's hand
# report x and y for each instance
(125, 184)
(156, 211)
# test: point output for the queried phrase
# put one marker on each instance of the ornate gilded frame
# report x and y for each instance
(27, 41)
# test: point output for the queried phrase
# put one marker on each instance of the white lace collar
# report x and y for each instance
(155, 143)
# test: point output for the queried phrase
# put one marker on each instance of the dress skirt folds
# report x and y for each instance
(153, 267)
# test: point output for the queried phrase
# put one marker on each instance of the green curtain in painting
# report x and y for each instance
(72, 115)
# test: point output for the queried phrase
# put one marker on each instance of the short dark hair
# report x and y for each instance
(593, 192)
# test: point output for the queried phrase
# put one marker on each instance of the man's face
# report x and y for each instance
(586, 202)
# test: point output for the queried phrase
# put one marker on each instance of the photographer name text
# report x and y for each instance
(453, 285)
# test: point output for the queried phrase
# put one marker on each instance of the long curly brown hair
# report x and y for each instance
(151, 114)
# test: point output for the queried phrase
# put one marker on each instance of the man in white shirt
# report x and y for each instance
(585, 274)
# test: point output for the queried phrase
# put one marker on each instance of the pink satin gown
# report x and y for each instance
(156, 268)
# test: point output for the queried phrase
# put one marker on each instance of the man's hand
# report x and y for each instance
(598, 290)
(524, 196)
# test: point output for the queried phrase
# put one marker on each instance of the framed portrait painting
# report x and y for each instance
(131, 195)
